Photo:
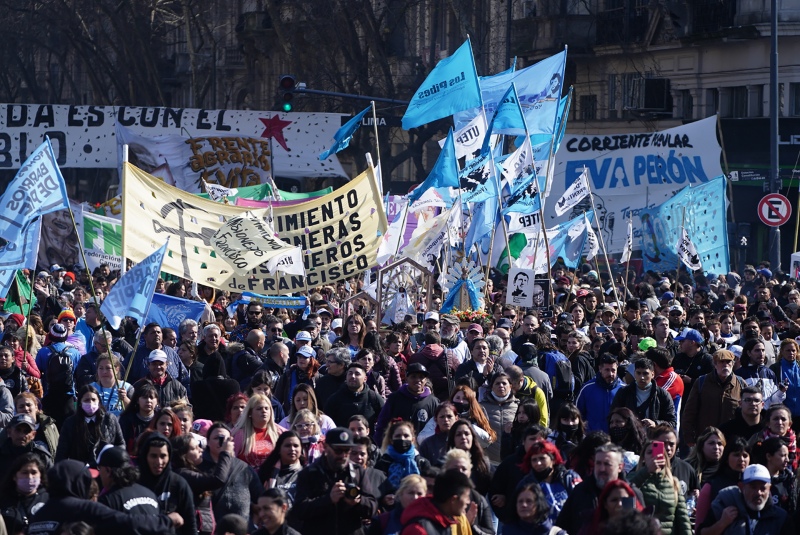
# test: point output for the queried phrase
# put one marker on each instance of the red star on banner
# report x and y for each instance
(274, 129)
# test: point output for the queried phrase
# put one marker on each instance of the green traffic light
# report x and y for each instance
(287, 106)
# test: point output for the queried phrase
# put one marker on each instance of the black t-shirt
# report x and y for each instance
(685, 474)
(134, 500)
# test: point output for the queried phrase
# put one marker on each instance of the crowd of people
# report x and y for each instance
(667, 403)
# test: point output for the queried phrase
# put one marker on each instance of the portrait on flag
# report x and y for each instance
(338, 233)
(521, 288)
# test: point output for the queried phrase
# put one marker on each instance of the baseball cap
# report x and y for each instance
(432, 316)
(676, 308)
(646, 343)
(449, 318)
(475, 327)
(505, 323)
(306, 351)
(756, 472)
(67, 313)
(323, 310)
(739, 307)
(723, 355)
(562, 280)
(20, 419)
(667, 296)
(692, 335)
(303, 335)
(764, 272)
(113, 457)
(339, 437)
(583, 292)
(42, 275)
(58, 331)
(416, 367)
(607, 308)
(201, 426)
(749, 268)
(157, 354)
(56, 267)
(336, 323)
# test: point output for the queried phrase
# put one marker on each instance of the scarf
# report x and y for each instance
(499, 399)
(402, 465)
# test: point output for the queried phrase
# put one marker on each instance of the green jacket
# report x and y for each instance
(668, 506)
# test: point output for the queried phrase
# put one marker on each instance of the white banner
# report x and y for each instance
(629, 172)
(246, 242)
(687, 252)
(578, 191)
(84, 136)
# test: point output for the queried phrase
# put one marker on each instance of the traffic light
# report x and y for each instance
(286, 88)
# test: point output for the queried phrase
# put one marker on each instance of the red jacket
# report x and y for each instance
(672, 383)
(424, 508)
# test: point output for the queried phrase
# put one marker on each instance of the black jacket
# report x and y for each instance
(658, 406)
(327, 386)
(173, 492)
(244, 364)
(18, 512)
(134, 500)
(241, 487)
(580, 505)
(313, 510)
(70, 446)
(168, 392)
(14, 380)
(345, 403)
(68, 486)
(737, 427)
(210, 395)
(9, 452)
(504, 482)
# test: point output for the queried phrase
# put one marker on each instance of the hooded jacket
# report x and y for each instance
(403, 404)
(658, 406)
(771, 521)
(173, 492)
(68, 486)
(240, 489)
(434, 358)
(422, 517)
(345, 403)
(594, 402)
(69, 446)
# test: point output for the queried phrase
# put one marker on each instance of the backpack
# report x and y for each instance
(58, 375)
(702, 380)
(563, 380)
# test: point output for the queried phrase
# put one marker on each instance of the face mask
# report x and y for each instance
(90, 407)
(313, 439)
(401, 445)
(461, 406)
(570, 429)
(617, 434)
(27, 485)
(541, 475)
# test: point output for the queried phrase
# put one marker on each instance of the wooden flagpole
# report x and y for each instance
(603, 245)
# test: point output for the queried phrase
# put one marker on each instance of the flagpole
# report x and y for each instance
(124, 267)
(30, 310)
(603, 245)
(629, 240)
(377, 142)
(680, 262)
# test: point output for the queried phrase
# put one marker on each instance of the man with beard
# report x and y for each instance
(747, 508)
(529, 325)
(333, 496)
(454, 347)
(582, 501)
(209, 347)
(255, 315)
(354, 397)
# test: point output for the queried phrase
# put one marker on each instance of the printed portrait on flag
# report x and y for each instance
(521, 289)
(59, 243)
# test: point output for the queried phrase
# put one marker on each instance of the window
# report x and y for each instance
(733, 101)
(794, 100)
(756, 101)
(712, 101)
(687, 104)
(612, 96)
(588, 107)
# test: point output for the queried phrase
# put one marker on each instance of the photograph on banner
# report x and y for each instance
(521, 289)
(338, 233)
(59, 243)
(628, 173)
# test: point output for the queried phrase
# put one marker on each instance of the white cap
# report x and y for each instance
(756, 472)
(157, 354)
(336, 323)
(432, 316)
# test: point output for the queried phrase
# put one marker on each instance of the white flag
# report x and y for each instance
(519, 163)
(534, 255)
(290, 263)
(628, 249)
(687, 252)
(574, 194)
(432, 198)
(246, 242)
(217, 193)
(394, 234)
(427, 240)
(592, 246)
(469, 139)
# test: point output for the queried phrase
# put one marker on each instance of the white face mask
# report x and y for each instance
(90, 407)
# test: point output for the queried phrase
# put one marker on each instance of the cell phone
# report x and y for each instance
(601, 329)
(658, 448)
(629, 503)
(221, 441)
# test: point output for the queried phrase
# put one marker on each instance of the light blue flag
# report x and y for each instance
(342, 137)
(444, 173)
(478, 179)
(484, 220)
(37, 189)
(501, 73)
(19, 255)
(169, 311)
(525, 198)
(508, 117)
(132, 294)
(451, 86)
(705, 222)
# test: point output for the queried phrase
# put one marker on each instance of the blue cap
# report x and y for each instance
(690, 334)
(667, 296)
(306, 351)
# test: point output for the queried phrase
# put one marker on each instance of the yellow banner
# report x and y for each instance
(339, 233)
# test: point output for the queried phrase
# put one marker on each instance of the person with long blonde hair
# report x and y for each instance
(256, 432)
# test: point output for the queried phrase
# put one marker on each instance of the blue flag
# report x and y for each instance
(524, 198)
(508, 117)
(169, 311)
(478, 179)
(132, 294)
(444, 173)
(484, 220)
(451, 86)
(37, 189)
(342, 137)
(705, 223)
